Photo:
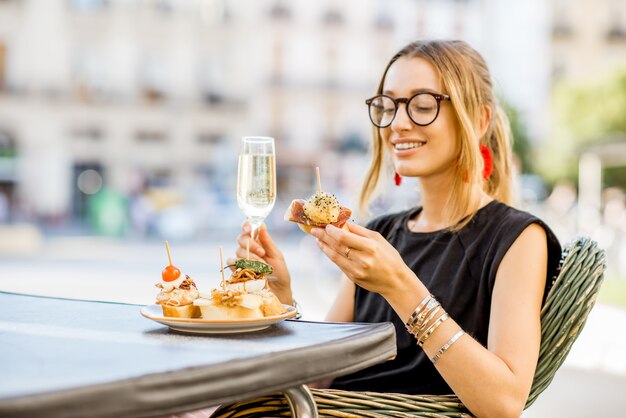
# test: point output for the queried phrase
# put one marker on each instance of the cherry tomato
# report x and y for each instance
(170, 273)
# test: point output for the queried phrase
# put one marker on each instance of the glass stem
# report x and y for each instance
(255, 224)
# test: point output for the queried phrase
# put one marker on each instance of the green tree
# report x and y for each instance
(521, 143)
(582, 114)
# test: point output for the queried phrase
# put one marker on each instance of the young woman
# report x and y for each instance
(462, 276)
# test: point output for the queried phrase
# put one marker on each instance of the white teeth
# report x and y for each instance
(408, 145)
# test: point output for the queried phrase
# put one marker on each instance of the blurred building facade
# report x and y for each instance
(135, 95)
(588, 37)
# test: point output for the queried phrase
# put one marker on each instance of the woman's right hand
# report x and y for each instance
(265, 249)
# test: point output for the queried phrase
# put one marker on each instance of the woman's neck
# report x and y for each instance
(430, 218)
(434, 197)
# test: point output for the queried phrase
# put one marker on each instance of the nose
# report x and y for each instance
(402, 122)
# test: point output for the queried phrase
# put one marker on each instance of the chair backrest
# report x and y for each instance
(567, 306)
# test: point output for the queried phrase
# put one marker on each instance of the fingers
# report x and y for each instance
(255, 248)
(335, 256)
(267, 243)
(243, 253)
(244, 240)
(340, 239)
(360, 230)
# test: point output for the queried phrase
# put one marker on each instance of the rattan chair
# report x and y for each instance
(562, 318)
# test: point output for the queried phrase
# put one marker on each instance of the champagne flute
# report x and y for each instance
(256, 179)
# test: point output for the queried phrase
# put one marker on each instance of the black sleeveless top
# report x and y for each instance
(459, 269)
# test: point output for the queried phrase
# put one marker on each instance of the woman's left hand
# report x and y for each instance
(364, 256)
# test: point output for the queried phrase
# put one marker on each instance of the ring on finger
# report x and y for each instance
(347, 253)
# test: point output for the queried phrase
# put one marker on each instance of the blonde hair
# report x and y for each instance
(467, 81)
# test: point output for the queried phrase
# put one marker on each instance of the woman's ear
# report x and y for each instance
(485, 118)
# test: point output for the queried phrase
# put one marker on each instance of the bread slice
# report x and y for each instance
(249, 309)
(271, 305)
(185, 311)
(249, 286)
(307, 228)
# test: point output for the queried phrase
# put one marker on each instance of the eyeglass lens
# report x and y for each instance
(422, 109)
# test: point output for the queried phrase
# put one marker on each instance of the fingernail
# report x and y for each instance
(261, 252)
(315, 232)
(246, 228)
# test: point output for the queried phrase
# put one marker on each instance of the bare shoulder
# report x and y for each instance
(527, 257)
(532, 240)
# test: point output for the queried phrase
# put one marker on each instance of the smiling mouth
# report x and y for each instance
(408, 145)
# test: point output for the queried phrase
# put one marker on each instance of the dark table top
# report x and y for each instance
(71, 358)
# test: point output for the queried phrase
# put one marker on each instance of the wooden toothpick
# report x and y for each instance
(319, 181)
(167, 248)
(222, 268)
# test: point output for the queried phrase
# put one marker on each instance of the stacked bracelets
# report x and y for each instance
(423, 323)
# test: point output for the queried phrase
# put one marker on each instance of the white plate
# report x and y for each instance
(205, 326)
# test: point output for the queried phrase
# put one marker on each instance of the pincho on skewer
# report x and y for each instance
(318, 211)
(177, 292)
(244, 295)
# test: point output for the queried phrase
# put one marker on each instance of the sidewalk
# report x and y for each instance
(601, 346)
(592, 381)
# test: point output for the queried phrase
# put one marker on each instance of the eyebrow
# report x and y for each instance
(415, 91)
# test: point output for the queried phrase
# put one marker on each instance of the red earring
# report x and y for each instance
(485, 152)
(397, 179)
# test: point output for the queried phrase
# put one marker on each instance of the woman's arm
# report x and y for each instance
(342, 309)
(493, 381)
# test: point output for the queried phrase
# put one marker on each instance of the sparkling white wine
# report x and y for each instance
(256, 185)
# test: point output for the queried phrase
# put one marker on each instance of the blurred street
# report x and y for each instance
(126, 271)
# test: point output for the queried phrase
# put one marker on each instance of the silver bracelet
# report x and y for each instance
(432, 328)
(414, 316)
(416, 320)
(446, 346)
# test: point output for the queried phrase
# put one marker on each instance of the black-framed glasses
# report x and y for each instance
(422, 108)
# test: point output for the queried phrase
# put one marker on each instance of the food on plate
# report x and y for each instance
(270, 305)
(248, 276)
(242, 296)
(177, 298)
(177, 292)
(318, 211)
(230, 305)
